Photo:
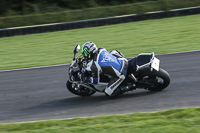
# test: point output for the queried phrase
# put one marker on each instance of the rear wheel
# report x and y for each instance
(159, 79)
(81, 91)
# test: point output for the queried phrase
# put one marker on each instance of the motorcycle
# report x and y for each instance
(143, 72)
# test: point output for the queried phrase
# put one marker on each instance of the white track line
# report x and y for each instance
(29, 68)
(180, 52)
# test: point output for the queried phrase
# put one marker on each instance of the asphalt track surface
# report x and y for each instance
(40, 94)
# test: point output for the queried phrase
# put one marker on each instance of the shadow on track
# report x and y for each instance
(77, 102)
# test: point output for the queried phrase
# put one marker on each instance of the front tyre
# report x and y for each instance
(81, 91)
(160, 79)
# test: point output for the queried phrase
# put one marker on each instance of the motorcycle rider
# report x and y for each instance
(113, 64)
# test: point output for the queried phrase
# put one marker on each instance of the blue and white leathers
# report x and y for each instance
(108, 64)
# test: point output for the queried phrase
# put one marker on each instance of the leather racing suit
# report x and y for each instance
(113, 64)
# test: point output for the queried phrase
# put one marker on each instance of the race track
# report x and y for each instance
(40, 94)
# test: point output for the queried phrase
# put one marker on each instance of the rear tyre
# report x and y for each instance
(82, 91)
(160, 79)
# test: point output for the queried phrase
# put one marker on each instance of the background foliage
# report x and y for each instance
(22, 7)
(88, 13)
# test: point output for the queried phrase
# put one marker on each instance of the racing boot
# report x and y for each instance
(121, 90)
(127, 88)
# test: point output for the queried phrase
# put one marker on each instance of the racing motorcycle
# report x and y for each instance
(143, 72)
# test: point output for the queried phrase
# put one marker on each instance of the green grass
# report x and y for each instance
(161, 36)
(170, 121)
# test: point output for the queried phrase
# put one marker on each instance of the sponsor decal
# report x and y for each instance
(107, 58)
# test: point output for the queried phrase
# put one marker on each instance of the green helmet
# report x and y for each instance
(88, 49)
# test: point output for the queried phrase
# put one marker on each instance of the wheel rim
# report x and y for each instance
(81, 90)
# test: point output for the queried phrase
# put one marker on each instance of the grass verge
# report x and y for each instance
(170, 121)
(161, 36)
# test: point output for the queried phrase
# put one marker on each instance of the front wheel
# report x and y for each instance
(81, 91)
(159, 79)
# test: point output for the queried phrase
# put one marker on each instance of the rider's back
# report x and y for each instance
(107, 62)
